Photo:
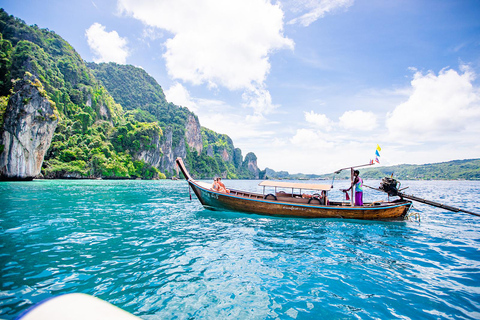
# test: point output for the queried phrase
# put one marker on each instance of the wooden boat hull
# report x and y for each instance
(255, 203)
(216, 200)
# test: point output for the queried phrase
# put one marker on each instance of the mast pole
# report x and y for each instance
(351, 184)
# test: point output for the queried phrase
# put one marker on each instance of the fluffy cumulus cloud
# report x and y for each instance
(439, 107)
(320, 121)
(312, 10)
(358, 120)
(107, 46)
(218, 42)
(324, 133)
(309, 139)
(260, 100)
(438, 119)
(179, 95)
(351, 121)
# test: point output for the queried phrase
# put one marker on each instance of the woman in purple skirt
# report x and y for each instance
(358, 183)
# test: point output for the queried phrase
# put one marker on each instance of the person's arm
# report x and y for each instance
(353, 183)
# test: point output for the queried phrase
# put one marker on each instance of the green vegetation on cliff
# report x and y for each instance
(86, 142)
(113, 119)
(138, 92)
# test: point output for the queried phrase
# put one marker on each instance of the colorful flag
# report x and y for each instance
(378, 148)
(377, 153)
(376, 160)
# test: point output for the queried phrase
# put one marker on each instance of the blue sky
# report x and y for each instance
(308, 85)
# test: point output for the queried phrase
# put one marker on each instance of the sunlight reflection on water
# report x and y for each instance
(145, 247)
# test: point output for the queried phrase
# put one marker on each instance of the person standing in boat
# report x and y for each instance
(358, 184)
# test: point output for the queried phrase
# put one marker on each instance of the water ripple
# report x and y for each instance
(145, 247)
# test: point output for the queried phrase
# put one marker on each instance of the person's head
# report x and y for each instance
(219, 179)
(356, 173)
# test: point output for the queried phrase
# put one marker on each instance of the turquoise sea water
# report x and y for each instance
(147, 248)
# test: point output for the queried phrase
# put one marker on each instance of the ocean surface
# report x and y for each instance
(145, 247)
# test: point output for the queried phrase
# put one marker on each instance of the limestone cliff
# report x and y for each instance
(167, 162)
(193, 139)
(250, 163)
(151, 154)
(29, 123)
(193, 133)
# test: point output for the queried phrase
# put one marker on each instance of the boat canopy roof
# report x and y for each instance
(295, 185)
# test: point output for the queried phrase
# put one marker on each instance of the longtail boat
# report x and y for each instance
(293, 204)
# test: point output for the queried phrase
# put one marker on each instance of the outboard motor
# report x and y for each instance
(390, 186)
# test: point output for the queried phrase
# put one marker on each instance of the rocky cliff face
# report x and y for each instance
(152, 156)
(193, 133)
(167, 161)
(29, 123)
(193, 137)
(225, 155)
(250, 163)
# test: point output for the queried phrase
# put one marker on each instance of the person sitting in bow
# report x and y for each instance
(222, 186)
(215, 185)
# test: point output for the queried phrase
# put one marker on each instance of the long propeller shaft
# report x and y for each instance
(436, 204)
(429, 202)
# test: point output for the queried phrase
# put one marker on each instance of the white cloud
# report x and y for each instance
(260, 100)
(151, 34)
(218, 42)
(439, 108)
(311, 139)
(358, 120)
(314, 9)
(321, 121)
(180, 96)
(436, 119)
(107, 46)
(305, 136)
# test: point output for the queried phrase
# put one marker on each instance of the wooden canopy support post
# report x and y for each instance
(352, 203)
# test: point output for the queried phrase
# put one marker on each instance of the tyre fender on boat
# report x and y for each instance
(270, 194)
(320, 201)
